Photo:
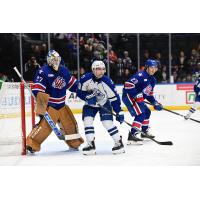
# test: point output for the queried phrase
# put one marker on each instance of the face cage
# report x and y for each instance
(54, 62)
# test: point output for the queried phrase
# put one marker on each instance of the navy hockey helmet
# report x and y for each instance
(151, 63)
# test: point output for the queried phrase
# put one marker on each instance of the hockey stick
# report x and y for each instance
(46, 115)
(160, 143)
(174, 112)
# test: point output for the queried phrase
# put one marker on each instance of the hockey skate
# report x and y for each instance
(132, 139)
(90, 149)
(119, 147)
(146, 134)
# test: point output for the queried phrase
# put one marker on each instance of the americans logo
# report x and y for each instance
(147, 90)
(59, 83)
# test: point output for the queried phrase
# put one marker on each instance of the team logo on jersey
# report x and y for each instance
(100, 96)
(59, 83)
(147, 90)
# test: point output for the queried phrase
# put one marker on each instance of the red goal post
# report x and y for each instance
(23, 114)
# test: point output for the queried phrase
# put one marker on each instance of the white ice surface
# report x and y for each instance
(185, 136)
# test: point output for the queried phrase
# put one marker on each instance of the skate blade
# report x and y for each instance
(119, 151)
(134, 143)
(145, 139)
(88, 153)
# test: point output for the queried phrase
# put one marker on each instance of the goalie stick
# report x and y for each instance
(174, 112)
(46, 115)
(156, 141)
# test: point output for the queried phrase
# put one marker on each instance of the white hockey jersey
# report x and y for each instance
(103, 88)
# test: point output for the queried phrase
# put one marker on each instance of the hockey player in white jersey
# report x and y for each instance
(99, 94)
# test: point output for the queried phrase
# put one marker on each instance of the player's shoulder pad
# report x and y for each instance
(43, 70)
(155, 79)
(136, 78)
(64, 69)
(86, 77)
(107, 80)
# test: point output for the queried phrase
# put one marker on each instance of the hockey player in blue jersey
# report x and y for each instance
(50, 85)
(136, 89)
(98, 92)
(197, 98)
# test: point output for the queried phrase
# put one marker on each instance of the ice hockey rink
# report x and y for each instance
(166, 126)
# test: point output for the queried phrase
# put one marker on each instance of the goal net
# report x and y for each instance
(16, 118)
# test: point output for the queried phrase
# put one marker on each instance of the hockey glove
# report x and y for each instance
(91, 99)
(158, 106)
(120, 117)
(139, 98)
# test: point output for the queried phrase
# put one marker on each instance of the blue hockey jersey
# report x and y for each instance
(197, 87)
(140, 83)
(55, 84)
(103, 88)
(197, 90)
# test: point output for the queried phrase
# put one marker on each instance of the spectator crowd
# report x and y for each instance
(120, 55)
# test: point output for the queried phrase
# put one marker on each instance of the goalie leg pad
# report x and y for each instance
(41, 103)
(70, 128)
(42, 131)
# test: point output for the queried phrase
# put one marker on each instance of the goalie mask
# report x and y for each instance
(98, 69)
(53, 59)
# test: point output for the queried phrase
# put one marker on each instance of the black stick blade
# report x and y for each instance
(161, 143)
(166, 143)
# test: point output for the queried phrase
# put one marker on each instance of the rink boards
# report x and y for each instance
(172, 96)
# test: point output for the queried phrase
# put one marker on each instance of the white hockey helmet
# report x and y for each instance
(98, 64)
(53, 59)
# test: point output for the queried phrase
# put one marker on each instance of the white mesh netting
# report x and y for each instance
(10, 118)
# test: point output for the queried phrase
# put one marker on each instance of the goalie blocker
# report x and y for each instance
(65, 119)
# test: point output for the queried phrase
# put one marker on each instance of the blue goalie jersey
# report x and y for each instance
(55, 84)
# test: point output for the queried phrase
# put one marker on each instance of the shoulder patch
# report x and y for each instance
(140, 74)
(40, 71)
(134, 80)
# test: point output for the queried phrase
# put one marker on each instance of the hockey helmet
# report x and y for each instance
(151, 63)
(53, 59)
(98, 64)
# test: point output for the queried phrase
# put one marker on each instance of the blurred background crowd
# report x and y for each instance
(178, 55)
